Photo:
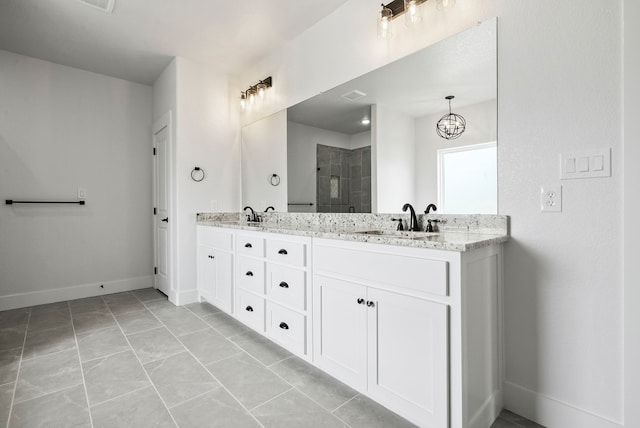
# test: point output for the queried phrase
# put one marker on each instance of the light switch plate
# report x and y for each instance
(585, 164)
(82, 193)
(551, 198)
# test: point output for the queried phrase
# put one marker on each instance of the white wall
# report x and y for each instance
(62, 128)
(393, 153)
(264, 153)
(559, 67)
(363, 139)
(481, 128)
(631, 209)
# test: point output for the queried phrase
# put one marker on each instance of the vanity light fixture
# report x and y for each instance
(443, 4)
(451, 126)
(254, 91)
(397, 8)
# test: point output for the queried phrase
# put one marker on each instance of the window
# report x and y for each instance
(468, 179)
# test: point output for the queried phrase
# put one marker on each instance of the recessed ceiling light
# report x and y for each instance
(103, 5)
(365, 121)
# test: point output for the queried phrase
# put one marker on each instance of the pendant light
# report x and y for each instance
(384, 22)
(412, 13)
(451, 126)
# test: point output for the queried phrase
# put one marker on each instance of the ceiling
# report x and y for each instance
(140, 37)
(463, 65)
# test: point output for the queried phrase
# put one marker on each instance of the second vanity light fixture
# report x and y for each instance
(409, 8)
(254, 92)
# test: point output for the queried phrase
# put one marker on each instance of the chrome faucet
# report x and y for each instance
(430, 207)
(413, 224)
(252, 216)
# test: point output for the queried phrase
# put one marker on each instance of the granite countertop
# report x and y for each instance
(459, 239)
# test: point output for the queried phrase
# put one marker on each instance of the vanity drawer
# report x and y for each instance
(250, 274)
(292, 253)
(414, 272)
(216, 238)
(250, 309)
(250, 245)
(287, 327)
(287, 285)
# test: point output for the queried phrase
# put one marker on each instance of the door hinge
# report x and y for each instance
(154, 151)
(155, 211)
(155, 270)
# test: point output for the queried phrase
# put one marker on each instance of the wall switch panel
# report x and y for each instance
(585, 164)
(213, 205)
(551, 198)
(82, 193)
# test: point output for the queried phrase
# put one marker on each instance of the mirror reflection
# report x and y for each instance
(370, 145)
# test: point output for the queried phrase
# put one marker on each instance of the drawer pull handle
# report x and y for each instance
(249, 273)
(284, 284)
(370, 304)
(248, 309)
(283, 252)
(248, 245)
(360, 301)
(284, 326)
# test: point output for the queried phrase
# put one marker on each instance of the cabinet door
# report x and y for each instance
(340, 329)
(215, 271)
(408, 354)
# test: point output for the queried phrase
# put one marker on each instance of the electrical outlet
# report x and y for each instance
(82, 193)
(551, 198)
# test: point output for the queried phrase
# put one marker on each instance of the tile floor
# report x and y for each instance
(135, 360)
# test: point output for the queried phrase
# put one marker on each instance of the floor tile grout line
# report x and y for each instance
(195, 397)
(145, 372)
(49, 393)
(195, 331)
(346, 402)
(291, 388)
(84, 384)
(213, 376)
(115, 397)
(15, 387)
(50, 353)
(104, 356)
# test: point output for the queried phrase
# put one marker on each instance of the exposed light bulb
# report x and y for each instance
(412, 12)
(384, 18)
(443, 4)
(262, 89)
(243, 100)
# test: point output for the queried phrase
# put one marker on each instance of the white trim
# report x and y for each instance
(184, 297)
(549, 411)
(43, 297)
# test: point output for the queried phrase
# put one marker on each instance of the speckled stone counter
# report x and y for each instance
(453, 233)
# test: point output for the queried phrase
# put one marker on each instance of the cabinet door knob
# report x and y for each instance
(370, 304)
(284, 326)
(248, 309)
(283, 251)
(248, 245)
(166, 220)
(284, 284)
(249, 273)
(360, 301)
(211, 257)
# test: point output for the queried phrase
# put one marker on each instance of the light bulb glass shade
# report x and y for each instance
(443, 4)
(262, 89)
(243, 100)
(451, 126)
(251, 95)
(384, 23)
(411, 12)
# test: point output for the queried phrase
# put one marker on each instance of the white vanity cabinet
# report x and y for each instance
(215, 266)
(272, 287)
(388, 321)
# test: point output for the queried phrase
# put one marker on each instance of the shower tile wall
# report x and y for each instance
(350, 170)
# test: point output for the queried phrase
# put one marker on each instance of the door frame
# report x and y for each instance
(165, 121)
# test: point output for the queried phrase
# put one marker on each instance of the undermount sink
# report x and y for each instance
(402, 234)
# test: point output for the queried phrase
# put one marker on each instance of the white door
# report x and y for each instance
(408, 343)
(340, 329)
(161, 217)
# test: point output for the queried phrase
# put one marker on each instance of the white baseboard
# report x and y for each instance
(184, 297)
(42, 297)
(488, 412)
(550, 412)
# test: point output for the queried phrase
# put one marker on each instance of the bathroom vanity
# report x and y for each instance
(410, 319)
